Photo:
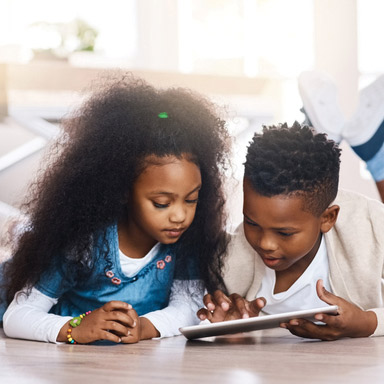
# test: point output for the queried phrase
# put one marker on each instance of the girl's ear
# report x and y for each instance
(329, 217)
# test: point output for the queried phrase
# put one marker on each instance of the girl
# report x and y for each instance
(126, 221)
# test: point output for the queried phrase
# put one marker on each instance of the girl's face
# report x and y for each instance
(164, 199)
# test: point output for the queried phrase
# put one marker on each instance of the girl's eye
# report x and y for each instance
(158, 205)
(194, 201)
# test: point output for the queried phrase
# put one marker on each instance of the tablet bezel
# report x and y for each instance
(253, 323)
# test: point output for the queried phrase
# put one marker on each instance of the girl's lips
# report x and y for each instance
(173, 232)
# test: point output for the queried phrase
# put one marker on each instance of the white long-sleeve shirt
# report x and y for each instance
(27, 317)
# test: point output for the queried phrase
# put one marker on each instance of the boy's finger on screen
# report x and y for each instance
(261, 301)
(241, 305)
(209, 302)
(212, 316)
(217, 315)
(202, 313)
(222, 300)
(256, 305)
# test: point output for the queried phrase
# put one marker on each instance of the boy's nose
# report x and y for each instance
(267, 244)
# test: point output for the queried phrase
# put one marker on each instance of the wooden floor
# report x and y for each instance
(272, 356)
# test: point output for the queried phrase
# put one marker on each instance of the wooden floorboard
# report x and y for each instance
(272, 356)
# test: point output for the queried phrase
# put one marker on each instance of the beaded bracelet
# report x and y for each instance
(74, 323)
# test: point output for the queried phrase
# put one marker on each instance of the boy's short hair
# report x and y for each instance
(294, 161)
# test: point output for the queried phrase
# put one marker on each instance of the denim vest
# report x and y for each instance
(148, 291)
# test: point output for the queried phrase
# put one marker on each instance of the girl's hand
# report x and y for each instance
(351, 321)
(221, 307)
(141, 328)
(134, 331)
(113, 321)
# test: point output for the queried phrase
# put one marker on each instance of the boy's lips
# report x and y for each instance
(270, 261)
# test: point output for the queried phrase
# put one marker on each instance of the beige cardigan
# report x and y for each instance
(355, 247)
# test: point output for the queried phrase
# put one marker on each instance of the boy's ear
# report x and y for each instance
(329, 217)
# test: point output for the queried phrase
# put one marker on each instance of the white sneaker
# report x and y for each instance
(368, 116)
(319, 95)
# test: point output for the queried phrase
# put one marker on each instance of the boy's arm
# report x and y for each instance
(379, 331)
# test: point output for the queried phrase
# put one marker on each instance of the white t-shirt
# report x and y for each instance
(302, 293)
(131, 267)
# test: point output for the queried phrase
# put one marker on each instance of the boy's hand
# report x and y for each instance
(351, 321)
(113, 321)
(220, 307)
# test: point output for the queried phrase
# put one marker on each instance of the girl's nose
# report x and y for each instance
(178, 214)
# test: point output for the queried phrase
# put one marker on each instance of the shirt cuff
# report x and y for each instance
(379, 331)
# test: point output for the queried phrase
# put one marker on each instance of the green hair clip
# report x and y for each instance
(163, 115)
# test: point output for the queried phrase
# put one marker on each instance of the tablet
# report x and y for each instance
(253, 323)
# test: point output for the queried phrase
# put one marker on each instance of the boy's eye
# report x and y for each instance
(285, 234)
(251, 223)
(158, 205)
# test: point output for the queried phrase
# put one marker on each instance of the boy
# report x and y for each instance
(298, 247)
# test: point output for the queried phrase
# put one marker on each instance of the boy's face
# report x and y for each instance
(280, 231)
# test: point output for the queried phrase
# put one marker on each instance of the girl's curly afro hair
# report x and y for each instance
(94, 164)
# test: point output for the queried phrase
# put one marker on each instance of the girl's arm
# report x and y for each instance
(27, 317)
(186, 298)
(147, 329)
(33, 310)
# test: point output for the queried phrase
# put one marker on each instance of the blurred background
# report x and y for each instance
(244, 54)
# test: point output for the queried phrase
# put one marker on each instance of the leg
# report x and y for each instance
(365, 126)
(376, 167)
(319, 95)
(365, 131)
